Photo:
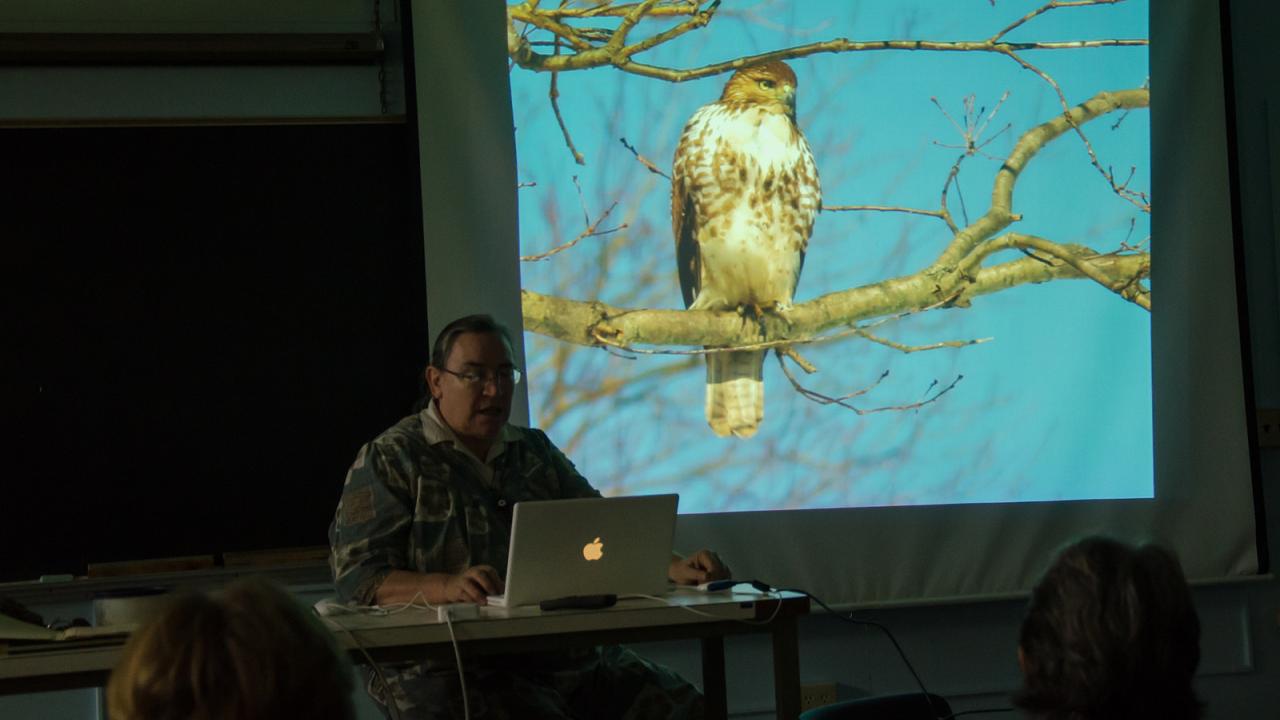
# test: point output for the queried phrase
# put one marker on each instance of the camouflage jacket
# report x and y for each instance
(414, 499)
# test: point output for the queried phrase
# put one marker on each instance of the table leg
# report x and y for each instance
(713, 684)
(786, 668)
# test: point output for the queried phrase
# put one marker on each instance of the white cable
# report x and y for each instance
(395, 610)
(457, 655)
(377, 669)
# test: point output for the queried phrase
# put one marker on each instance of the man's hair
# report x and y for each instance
(463, 325)
(1111, 632)
(444, 345)
(250, 651)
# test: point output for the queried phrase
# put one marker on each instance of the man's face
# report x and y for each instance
(476, 412)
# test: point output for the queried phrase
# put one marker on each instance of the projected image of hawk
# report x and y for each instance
(744, 195)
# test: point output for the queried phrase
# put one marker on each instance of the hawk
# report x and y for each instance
(744, 195)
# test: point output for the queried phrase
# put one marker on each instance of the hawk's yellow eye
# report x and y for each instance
(767, 84)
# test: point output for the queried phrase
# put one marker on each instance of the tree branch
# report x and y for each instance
(1001, 215)
(589, 52)
(596, 324)
(953, 279)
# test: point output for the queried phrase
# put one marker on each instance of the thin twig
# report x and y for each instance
(1044, 9)
(881, 208)
(843, 400)
(582, 202)
(798, 359)
(590, 231)
(698, 21)
(953, 177)
(620, 58)
(1129, 288)
(610, 10)
(554, 94)
(644, 160)
(1138, 199)
(922, 348)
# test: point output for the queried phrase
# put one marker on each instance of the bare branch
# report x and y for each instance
(954, 279)
(561, 31)
(798, 359)
(883, 208)
(553, 94)
(921, 348)
(598, 324)
(644, 160)
(952, 177)
(616, 53)
(1056, 4)
(609, 10)
(590, 231)
(609, 386)
(699, 20)
(522, 53)
(843, 400)
(1078, 257)
(1000, 214)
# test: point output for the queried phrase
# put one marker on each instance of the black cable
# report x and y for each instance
(982, 711)
(764, 587)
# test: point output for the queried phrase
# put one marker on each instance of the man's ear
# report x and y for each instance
(433, 381)
(1022, 660)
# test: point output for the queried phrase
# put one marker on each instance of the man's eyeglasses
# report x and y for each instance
(502, 377)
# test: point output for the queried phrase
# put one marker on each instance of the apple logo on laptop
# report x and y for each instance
(593, 550)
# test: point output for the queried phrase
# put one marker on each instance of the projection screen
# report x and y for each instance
(983, 429)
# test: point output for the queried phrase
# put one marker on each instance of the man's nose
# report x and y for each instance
(490, 385)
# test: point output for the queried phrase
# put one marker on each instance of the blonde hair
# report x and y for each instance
(248, 652)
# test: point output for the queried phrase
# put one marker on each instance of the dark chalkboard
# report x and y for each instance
(202, 325)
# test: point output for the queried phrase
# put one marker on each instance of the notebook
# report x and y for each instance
(589, 546)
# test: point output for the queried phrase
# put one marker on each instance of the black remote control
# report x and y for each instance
(579, 602)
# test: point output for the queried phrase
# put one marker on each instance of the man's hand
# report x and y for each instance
(702, 566)
(473, 585)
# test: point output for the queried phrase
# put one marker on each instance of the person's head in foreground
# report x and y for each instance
(1110, 633)
(246, 652)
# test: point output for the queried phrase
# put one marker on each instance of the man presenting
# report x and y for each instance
(425, 514)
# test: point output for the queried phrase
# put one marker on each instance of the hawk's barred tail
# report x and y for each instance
(735, 392)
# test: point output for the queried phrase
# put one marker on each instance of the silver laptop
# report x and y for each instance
(590, 546)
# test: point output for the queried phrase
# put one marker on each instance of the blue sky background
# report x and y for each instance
(1056, 406)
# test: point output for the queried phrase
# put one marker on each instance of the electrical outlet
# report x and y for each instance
(816, 695)
(1268, 427)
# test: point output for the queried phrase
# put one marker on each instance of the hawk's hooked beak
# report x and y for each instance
(789, 97)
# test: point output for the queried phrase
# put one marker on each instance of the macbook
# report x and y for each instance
(589, 546)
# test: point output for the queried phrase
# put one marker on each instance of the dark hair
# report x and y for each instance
(1110, 632)
(480, 323)
(249, 652)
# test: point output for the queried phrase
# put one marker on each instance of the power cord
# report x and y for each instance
(457, 656)
(377, 669)
(777, 593)
(765, 587)
(983, 711)
(395, 610)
